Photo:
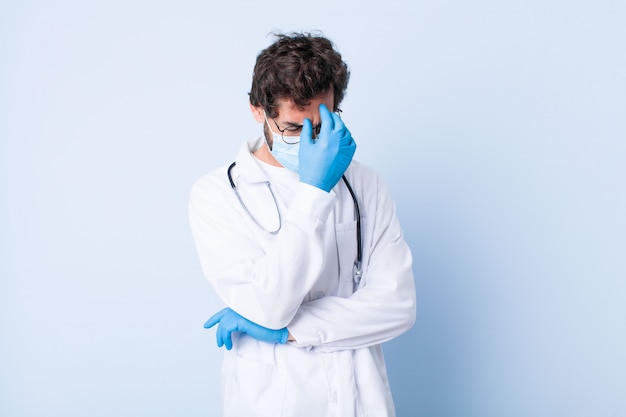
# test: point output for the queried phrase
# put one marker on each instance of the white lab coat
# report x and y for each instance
(301, 278)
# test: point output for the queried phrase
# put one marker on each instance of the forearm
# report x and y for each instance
(264, 282)
(379, 311)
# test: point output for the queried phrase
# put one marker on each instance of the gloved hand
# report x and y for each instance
(324, 160)
(230, 322)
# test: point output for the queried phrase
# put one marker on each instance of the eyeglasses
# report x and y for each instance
(291, 134)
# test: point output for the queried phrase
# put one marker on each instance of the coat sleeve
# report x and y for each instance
(265, 285)
(381, 309)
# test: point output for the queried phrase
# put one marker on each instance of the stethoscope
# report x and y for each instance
(356, 269)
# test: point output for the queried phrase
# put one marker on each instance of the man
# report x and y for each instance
(314, 279)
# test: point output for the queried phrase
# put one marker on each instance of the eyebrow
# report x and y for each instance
(296, 125)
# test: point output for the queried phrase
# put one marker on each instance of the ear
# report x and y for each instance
(257, 113)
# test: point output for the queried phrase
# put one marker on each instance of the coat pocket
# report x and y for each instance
(251, 388)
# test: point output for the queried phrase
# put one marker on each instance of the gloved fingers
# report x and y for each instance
(215, 318)
(228, 341)
(225, 332)
(348, 141)
(232, 322)
(327, 119)
(346, 136)
(338, 124)
(307, 131)
(218, 337)
(224, 335)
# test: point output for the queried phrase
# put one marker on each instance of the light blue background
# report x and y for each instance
(500, 127)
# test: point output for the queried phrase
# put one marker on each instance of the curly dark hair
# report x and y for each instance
(298, 67)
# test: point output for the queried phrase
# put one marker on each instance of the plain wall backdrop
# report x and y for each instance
(500, 127)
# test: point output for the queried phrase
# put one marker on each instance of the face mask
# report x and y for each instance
(285, 153)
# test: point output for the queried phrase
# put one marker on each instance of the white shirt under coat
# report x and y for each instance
(301, 278)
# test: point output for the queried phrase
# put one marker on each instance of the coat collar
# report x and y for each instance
(248, 169)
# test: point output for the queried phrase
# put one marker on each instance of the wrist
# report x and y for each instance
(284, 336)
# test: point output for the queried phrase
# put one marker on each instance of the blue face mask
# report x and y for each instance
(286, 154)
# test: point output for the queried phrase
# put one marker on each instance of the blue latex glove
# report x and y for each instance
(324, 160)
(230, 322)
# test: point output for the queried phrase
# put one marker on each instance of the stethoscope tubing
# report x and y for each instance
(245, 208)
(359, 248)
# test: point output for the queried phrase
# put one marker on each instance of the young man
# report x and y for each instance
(307, 253)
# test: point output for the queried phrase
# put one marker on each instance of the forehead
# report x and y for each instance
(291, 112)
